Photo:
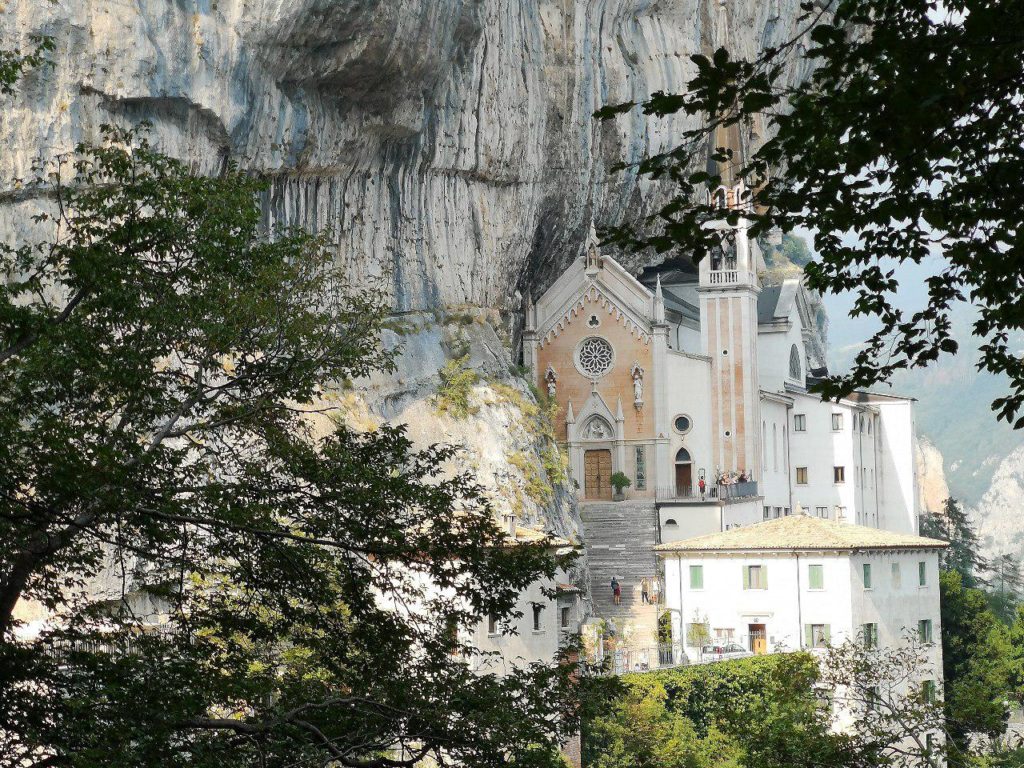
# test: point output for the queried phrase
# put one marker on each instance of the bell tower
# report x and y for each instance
(728, 290)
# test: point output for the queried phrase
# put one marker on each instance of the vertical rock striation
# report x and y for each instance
(448, 145)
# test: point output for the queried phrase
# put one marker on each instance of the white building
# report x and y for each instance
(545, 623)
(802, 582)
(699, 377)
(702, 373)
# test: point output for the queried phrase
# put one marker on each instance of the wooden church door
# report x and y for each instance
(597, 471)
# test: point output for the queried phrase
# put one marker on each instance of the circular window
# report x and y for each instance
(594, 357)
(682, 423)
(728, 433)
(725, 353)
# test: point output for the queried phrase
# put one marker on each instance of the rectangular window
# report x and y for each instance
(867, 575)
(778, 511)
(696, 577)
(922, 574)
(870, 635)
(785, 511)
(492, 624)
(767, 512)
(799, 422)
(755, 577)
(839, 474)
(801, 475)
(566, 614)
(924, 630)
(928, 691)
(837, 422)
(815, 577)
(897, 576)
(822, 512)
(817, 635)
(536, 617)
(724, 633)
(840, 513)
(641, 468)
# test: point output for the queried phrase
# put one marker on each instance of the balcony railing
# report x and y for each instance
(742, 490)
(621, 661)
(724, 276)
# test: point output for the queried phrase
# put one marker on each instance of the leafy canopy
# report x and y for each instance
(165, 432)
(903, 142)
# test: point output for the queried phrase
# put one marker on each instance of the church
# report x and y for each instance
(694, 385)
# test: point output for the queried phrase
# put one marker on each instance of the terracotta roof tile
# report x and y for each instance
(801, 532)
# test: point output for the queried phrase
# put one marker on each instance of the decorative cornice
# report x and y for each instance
(593, 294)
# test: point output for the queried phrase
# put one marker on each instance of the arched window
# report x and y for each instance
(671, 521)
(775, 447)
(796, 369)
(598, 429)
(682, 456)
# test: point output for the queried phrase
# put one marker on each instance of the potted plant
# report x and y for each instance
(619, 483)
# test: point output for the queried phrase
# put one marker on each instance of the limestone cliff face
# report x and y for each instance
(931, 476)
(448, 144)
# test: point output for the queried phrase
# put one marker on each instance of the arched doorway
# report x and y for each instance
(597, 461)
(684, 473)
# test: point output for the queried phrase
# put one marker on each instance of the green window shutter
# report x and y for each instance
(808, 636)
(764, 577)
(867, 576)
(922, 574)
(815, 577)
(696, 577)
(746, 577)
(828, 634)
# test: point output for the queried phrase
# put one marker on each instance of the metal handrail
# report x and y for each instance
(742, 490)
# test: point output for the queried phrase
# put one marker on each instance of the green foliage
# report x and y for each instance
(977, 661)
(159, 359)
(883, 159)
(759, 711)
(456, 388)
(665, 627)
(639, 729)
(14, 63)
(962, 556)
(537, 486)
(791, 252)
(620, 481)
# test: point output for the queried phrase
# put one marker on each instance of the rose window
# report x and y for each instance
(595, 357)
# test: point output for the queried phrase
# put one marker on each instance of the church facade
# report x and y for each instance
(694, 385)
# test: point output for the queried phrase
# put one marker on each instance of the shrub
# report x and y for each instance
(620, 481)
(457, 382)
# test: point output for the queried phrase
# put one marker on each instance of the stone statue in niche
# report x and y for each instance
(638, 384)
(550, 378)
(597, 429)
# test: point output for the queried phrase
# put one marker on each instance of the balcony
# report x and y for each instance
(712, 493)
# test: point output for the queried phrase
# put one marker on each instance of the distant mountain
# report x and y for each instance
(982, 458)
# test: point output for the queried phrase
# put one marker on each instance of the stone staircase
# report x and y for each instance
(620, 539)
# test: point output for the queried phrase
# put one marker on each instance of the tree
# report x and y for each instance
(892, 131)
(962, 555)
(167, 381)
(1007, 586)
(890, 696)
(977, 665)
